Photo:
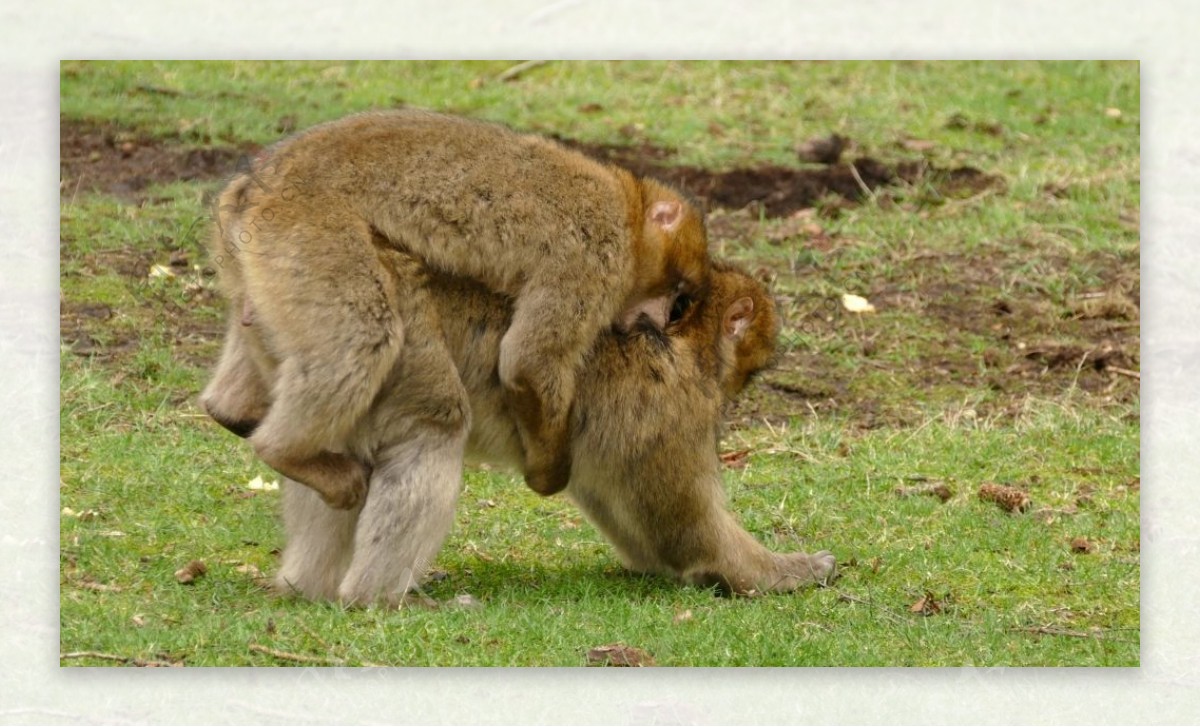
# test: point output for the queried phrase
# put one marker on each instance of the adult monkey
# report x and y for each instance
(644, 436)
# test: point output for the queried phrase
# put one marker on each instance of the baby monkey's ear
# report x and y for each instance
(667, 214)
(738, 317)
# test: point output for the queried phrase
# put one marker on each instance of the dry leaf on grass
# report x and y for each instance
(857, 304)
(735, 460)
(921, 145)
(1082, 545)
(1008, 498)
(465, 601)
(926, 605)
(160, 271)
(90, 584)
(258, 484)
(618, 655)
(190, 572)
(249, 569)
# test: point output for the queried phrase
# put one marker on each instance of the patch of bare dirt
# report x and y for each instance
(106, 158)
(962, 332)
(116, 161)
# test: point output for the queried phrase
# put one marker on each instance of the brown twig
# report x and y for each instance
(861, 184)
(301, 658)
(114, 657)
(1124, 372)
(313, 634)
(512, 73)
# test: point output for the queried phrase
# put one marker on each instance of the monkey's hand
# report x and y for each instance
(346, 498)
(541, 406)
(343, 481)
(551, 479)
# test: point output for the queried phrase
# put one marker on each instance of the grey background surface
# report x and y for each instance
(1166, 689)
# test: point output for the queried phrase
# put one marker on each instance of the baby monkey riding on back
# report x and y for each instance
(301, 246)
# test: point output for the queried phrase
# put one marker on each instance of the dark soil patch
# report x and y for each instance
(953, 332)
(106, 158)
(778, 191)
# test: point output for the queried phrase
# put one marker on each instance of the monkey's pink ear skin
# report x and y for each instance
(667, 214)
(738, 317)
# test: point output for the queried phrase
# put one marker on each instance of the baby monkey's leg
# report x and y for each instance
(326, 308)
(540, 356)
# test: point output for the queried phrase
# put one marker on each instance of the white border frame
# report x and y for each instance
(1159, 33)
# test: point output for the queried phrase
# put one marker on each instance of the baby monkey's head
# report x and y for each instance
(671, 263)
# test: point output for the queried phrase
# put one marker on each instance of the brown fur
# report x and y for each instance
(644, 435)
(302, 243)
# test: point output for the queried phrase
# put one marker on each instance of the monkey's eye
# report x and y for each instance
(681, 305)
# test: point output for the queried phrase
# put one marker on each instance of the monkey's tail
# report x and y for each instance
(228, 241)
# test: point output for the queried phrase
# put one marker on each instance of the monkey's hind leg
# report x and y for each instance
(328, 314)
(407, 515)
(320, 544)
(420, 426)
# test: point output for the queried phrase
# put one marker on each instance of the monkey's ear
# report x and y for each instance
(667, 214)
(738, 317)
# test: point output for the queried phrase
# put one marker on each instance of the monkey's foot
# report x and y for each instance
(341, 481)
(345, 487)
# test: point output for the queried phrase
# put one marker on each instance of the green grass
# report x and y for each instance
(928, 389)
